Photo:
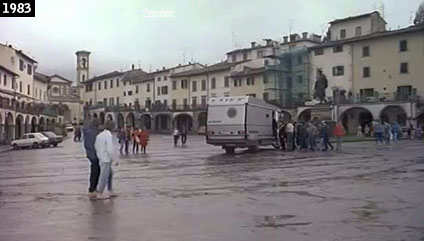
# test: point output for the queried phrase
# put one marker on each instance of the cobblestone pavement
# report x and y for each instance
(197, 193)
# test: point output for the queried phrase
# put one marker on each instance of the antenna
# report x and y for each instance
(382, 7)
(290, 24)
(139, 65)
(233, 37)
(192, 57)
(150, 68)
(183, 57)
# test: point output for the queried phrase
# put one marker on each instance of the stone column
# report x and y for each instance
(2, 134)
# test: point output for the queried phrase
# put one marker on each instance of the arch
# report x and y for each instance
(354, 117)
(121, 121)
(8, 127)
(27, 127)
(182, 121)
(305, 115)
(2, 138)
(19, 128)
(109, 117)
(162, 122)
(393, 113)
(130, 120)
(145, 121)
(201, 119)
(102, 117)
(33, 127)
(285, 116)
(42, 124)
(95, 115)
(48, 124)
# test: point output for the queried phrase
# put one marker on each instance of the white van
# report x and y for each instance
(241, 122)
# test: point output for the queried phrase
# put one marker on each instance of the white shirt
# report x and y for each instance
(289, 127)
(104, 147)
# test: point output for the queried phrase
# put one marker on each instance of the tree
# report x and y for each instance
(419, 16)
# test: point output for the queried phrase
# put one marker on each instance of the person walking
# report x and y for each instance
(359, 132)
(303, 137)
(127, 139)
(122, 140)
(135, 139)
(395, 131)
(378, 132)
(105, 152)
(90, 135)
(339, 132)
(387, 133)
(183, 135)
(312, 134)
(290, 136)
(176, 134)
(325, 133)
(144, 139)
(282, 136)
(367, 130)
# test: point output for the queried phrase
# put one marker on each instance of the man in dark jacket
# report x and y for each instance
(89, 140)
(325, 134)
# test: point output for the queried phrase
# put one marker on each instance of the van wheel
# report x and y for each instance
(34, 145)
(253, 148)
(276, 146)
(229, 150)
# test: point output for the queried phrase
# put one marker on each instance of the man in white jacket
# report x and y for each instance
(106, 153)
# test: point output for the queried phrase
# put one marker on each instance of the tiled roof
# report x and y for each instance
(103, 76)
(247, 49)
(247, 71)
(8, 70)
(42, 77)
(176, 67)
(208, 69)
(136, 76)
(354, 17)
(410, 29)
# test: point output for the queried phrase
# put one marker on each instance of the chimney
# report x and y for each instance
(189, 62)
(253, 44)
(285, 39)
(163, 68)
(294, 37)
(305, 35)
(132, 67)
(268, 42)
(316, 37)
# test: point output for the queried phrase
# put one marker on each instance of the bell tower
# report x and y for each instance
(83, 66)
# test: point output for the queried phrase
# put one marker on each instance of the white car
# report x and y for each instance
(33, 140)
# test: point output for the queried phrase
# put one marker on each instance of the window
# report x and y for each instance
(83, 78)
(403, 68)
(253, 95)
(158, 90)
(260, 54)
(5, 80)
(250, 81)
(184, 84)
(358, 31)
(117, 100)
(125, 83)
(403, 46)
(226, 94)
(265, 78)
(234, 58)
(105, 101)
(338, 49)
(20, 87)
(21, 65)
(99, 86)
(174, 103)
(174, 85)
(266, 62)
(165, 103)
(185, 102)
(165, 77)
(299, 59)
(111, 100)
(194, 101)
(29, 90)
(29, 69)
(105, 84)
(365, 51)
(158, 78)
(319, 52)
(226, 82)
(366, 72)
(136, 89)
(213, 83)
(299, 79)
(343, 33)
(117, 82)
(111, 83)
(338, 71)
(40, 94)
(237, 82)
(125, 93)
(266, 96)
(164, 90)
(129, 92)
(204, 84)
(245, 56)
(148, 88)
(203, 100)
(194, 86)
(366, 92)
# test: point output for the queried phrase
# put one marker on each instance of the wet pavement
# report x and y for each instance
(198, 193)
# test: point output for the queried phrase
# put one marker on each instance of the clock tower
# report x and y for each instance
(83, 65)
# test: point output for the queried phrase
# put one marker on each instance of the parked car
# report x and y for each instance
(54, 139)
(69, 128)
(34, 140)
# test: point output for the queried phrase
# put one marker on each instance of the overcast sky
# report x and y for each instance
(117, 34)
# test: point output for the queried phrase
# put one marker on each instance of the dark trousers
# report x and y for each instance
(135, 146)
(94, 174)
(378, 137)
(143, 149)
(183, 138)
(327, 143)
(282, 143)
(176, 140)
(127, 144)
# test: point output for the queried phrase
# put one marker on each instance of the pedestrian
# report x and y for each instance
(282, 136)
(294, 128)
(122, 139)
(410, 130)
(105, 152)
(289, 130)
(127, 139)
(387, 132)
(90, 135)
(417, 133)
(378, 132)
(325, 132)
(176, 134)
(135, 139)
(339, 132)
(367, 130)
(303, 136)
(77, 134)
(395, 131)
(359, 132)
(183, 135)
(144, 140)
(312, 134)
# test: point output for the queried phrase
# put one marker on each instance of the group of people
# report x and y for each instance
(304, 135)
(177, 134)
(139, 139)
(385, 132)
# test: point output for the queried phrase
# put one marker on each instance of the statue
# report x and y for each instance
(83, 62)
(320, 85)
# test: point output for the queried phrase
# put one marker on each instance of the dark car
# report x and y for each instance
(54, 139)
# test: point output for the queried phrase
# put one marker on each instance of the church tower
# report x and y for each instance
(83, 64)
